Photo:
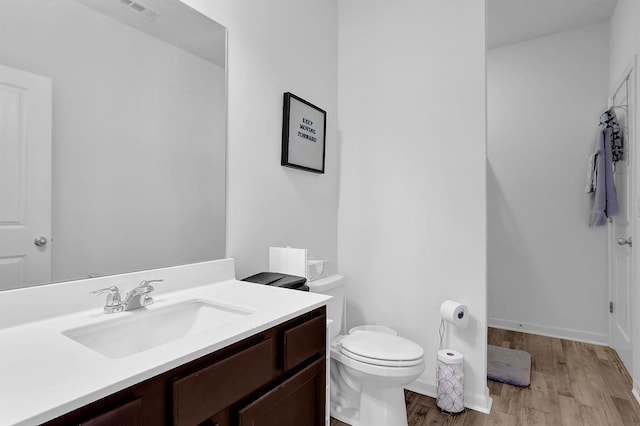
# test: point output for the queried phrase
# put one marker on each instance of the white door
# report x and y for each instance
(620, 231)
(25, 178)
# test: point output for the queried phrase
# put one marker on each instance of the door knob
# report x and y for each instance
(622, 241)
(40, 241)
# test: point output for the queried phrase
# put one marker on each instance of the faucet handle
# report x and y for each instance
(114, 303)
(113, 298)
(146, 283)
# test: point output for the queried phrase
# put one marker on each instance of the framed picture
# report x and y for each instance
(303, 134)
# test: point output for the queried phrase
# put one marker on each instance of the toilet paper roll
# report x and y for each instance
(450, 356)
(454, 313)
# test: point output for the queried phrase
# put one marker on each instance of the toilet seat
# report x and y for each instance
(376, 328)
(382, 362)
(381, 349)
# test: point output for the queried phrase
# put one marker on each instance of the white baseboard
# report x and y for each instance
(543, 330)
(477, 402)
(636, 392)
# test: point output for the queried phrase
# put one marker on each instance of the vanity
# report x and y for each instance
(272, 377)
(228, 353)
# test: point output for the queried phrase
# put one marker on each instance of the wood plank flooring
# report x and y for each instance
(572, 384)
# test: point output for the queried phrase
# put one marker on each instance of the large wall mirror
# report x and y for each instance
(113, 127)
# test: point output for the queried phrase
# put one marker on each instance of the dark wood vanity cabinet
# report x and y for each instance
(300, 400)
(276, 377)
(129, 413)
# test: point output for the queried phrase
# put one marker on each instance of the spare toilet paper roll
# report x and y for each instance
(450, 381)
(449, 356)
(454, 313)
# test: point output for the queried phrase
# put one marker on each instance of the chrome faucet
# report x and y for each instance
(136, 298)
(139, 296)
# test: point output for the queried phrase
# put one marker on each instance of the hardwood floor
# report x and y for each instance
(572, 384)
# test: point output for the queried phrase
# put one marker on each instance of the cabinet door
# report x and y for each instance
(202, 394)
(129, 414)
(298, 401)
(303, 341)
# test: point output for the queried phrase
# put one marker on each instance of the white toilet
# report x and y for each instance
(369, 366)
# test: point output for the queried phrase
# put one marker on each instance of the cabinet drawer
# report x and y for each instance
(202, 394)
(298, 401)
(304, 341)
(129, 414)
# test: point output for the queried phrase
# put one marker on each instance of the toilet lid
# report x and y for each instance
(382, 349)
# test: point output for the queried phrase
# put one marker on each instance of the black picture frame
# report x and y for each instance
(304, 128)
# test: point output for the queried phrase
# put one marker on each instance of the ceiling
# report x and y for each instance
(515, 21)
(175, 23)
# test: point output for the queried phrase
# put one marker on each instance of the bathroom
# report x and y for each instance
(401, 209)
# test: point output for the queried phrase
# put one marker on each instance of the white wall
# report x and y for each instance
(625, 43)
(547, 268)
(138, 140)
(275, 47)
(412, 220)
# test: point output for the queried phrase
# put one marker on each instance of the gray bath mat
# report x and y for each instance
(508, 366)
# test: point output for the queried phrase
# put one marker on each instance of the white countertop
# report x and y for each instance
(44, 374)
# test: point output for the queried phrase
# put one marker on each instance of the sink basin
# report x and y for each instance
(146, 329)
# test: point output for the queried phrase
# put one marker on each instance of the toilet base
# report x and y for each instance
(378, 407)
(382, 406)
(348, 416)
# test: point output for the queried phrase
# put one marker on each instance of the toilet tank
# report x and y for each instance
(332, 286)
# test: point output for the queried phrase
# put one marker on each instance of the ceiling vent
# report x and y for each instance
(139, 7)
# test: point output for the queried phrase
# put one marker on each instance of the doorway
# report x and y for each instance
(549, 272)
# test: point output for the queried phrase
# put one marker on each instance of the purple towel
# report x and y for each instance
(605, 203)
